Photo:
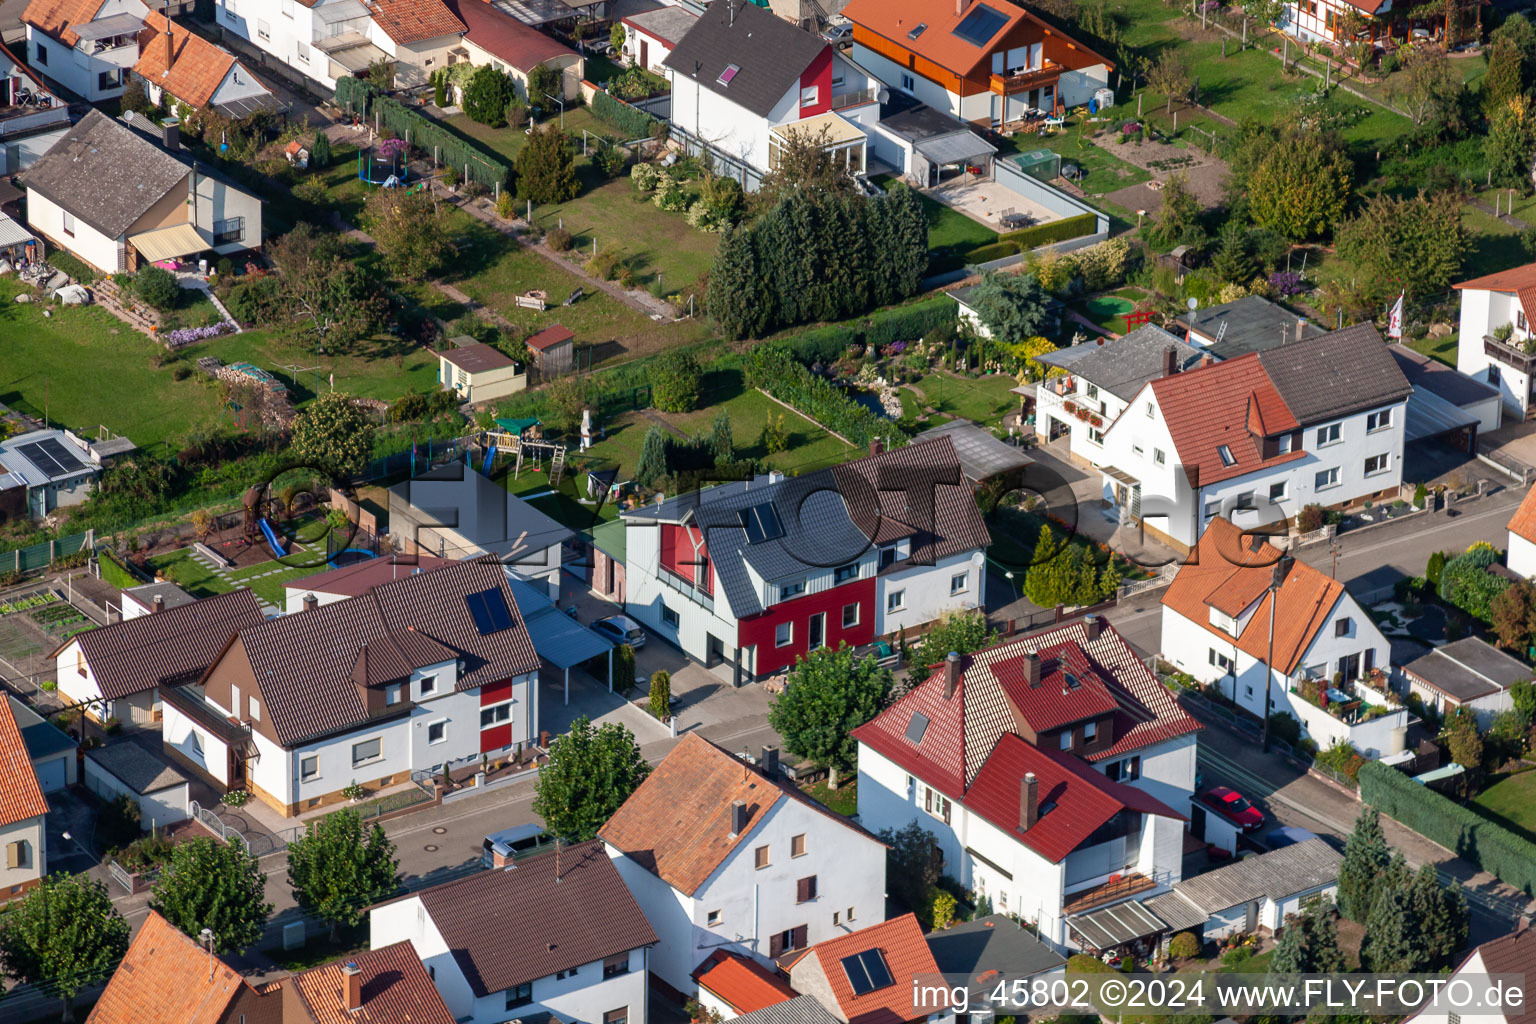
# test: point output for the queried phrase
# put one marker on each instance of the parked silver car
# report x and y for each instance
(621, 629)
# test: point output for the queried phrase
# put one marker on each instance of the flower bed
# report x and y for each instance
(192, 335)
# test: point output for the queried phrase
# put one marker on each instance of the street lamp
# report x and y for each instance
(1276, 578)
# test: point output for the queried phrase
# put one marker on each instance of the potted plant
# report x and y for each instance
(354, 792)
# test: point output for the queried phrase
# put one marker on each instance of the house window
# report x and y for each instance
(367, 750)
(760, 857)
(428, 685)
(670, 617)
(1066, 740)
(729, 73)
(519, 995)
(1376, 464)
(908, 83)
(843, 574)
(936, 804)
(1283, 444)
(896, 600)
(109, 79)
(437, 732)
(1277, 492)
(16, 854)
(1091, 391)
(616, 965)
(1090, 731)
(1378, 421)
(712, 918)
(392, 694)
(786, 941)
(797, 845)
(263, 30)
(808, 96)
(1328, 435)
(1137, 450)
(303, 51)
(1095, 436)
(818, 628)
(1325, 479)
(1493, 375)
(789, 590)
(42, 54)
(1220, 660)
(69, 223)
(234, 700)
(837, 917)
(309, 768)
(958, 582)
(1158, 457)
(1227, 458)
(805, 889)
(1124, 771)
(619, 1016)
(848, 916)
(228, 231)
(783, 634)
(850, 616)
(1150, 412)
(1212, 508)
(1342, 627)
(495, 716)
(255, 710)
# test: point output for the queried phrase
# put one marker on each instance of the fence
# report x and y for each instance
(750, 178)
(1163, 578)
(215, 824)
(44, 554)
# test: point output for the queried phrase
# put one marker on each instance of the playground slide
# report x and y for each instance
(272, 541)
(490, 458)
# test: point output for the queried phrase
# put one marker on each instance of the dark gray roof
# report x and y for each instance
(669, 23)
(1175, 911)
(1123, 366)
(799, 1010)
(994, 943)
(559, 639)
(923, 122)
(1335, 374)
(168, 592)
(1276, 875)
(1440, 380)
(42, 737)
(830, 517)
(105, 174)
(481, 511)
(136, 767)
(1468, 669)
(771, 54)
(1114, 926)
(1253, 324)
(982, 455)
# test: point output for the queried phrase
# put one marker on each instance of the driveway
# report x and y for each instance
(1093, 521)
(1515, 440)
(74, 813)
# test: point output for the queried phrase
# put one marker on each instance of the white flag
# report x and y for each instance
(1395, 319)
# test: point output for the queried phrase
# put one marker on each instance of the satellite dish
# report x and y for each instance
(1193, 304)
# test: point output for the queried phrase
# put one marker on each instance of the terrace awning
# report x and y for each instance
(112, 25)
(956, 148)
(1116, 925)
(169, 243)
(558, 638)
(839, 130)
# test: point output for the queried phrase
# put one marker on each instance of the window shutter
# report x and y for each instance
(775, 945)
(13, 854)
(946, 812)
(802, 890)
(798, 937)
(927, 799)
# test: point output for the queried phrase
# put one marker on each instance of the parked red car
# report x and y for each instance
(1231, 805)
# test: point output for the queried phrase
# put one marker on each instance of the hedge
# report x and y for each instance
(988, 253)
(822, 344)
(908, 323)
(1052, 231)
(1493, 848)
(358, 96)
(773, 368)
(632, 121)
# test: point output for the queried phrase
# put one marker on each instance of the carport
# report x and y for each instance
(1432, 418)
(1123, 924)
(558, 638)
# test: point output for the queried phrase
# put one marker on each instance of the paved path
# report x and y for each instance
(1507, 218)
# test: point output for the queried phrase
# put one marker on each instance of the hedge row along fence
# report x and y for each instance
(633, 122)
(1014, 242)
(902, 323)
(1493, 848)
(357, 96)
(774, 369)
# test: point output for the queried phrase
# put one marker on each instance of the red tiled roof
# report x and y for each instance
(56, 16)
(412, 21)
(1524, 522)
(165, 978)
(1069, 689)
(197, 65)
(395, 990)
(20, 795)
(357, 579)
(896, 19)
(901, 944)
(1074, 797)
(549, 337)
(1231, 573)
(741, 982)
(1500, 281)
(677, 824)
(1208, 407)
(503, 36)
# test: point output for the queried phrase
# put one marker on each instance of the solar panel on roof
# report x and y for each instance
(489, 610)
(980, 25)
(61, 455)
(867, 971)
(918, 727)
(762, 523)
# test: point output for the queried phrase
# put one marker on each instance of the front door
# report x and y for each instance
(645, 54)
(236, 769)
(714, 651)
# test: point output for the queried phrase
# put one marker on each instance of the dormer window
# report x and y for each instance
(1283, 444)
(728, 74)
(1224, 622)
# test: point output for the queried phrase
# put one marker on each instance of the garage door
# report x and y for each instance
(51, 774)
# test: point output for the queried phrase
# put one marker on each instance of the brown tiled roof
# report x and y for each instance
(677, 824)
(165, 979)
(1231, 573)
(1514, 953)
(395, 990)
(477, 358)
(20, 795)
(901, 944)
(1207, 408)
(549, 337)
(164, 648)
(1524, 522)
(357, 579)
(197, 65)
(588, 915)
(308, 665)
(1511, 280)
(56, 16)
(411, 21)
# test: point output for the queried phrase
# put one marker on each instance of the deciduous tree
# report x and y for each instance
(1301, 186)
(335, 434)
(545, 85)
(1510, 142)
(339, 868)
(411, 231)
(590, 773)
(830, 693)
(1415, 243)
(327, 295)
(675, 377)
(63, 936)
(1431, 91)
(963, 632)
(1514, 615)
(912, 862)
(1170, 75)
(214, 885)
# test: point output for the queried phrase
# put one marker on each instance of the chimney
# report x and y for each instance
(769, 762)
(959, 7)
(1092, 627)
(170, 41)
(159, 604)
(1032, 668)
(311, 602)
(1029, 802)
(170, 134)
(738, 817)
(1281, 570)
(352, 986)
(876, 445)
(1301, 326)
(501, 855)
(1207, 360)
(951, 673)
(1170, 361)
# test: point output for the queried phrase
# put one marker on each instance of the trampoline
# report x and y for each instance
(349, 556)
(383, 165)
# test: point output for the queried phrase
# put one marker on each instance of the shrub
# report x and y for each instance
(1311, 517)
(1184, 946)
(908, 323)
(236, 798)
(1054, 231)
(1082, 963)
(623, 668)
(1466, 582)
(558, 239)
(773, 369)
(1434, 568)
(1284, 726)
(157, 287)
(675, 378)
(988, 253)
(610, 159)
(487, 95)
(661, 695)
(645, 176)
(822, 344)
(940, 906)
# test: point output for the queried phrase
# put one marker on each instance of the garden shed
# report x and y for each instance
(125, 768)
(1040, 164)
(554, 351)
(477, 372)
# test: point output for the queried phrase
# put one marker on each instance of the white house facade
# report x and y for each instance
(1494, 341)
(86, 47)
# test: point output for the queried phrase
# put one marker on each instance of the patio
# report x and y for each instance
(988, 202)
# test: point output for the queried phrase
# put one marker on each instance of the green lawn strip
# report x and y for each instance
(1494, 245)
(191, 574)
(271, 589)
(366, 370)
(843, 800)
(82, 363)
(508, 141)
(1443, 349)
(1511, 802)
(980, 399)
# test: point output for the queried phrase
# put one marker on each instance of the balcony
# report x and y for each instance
(1022, 81)
(1510, 353)
(853, 98)
(683, 585)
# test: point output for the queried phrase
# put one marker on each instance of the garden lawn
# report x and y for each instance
(191, 574)
(87, 368)
(508, 141)
(1102, 171)
(951, 234)
(367, 370)
(1443, 349)
(982, 400)
(1511, 802)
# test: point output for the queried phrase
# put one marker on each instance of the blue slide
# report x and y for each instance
(272, 541)
(490, 457)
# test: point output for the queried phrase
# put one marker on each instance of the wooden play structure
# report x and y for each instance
(523, 440)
